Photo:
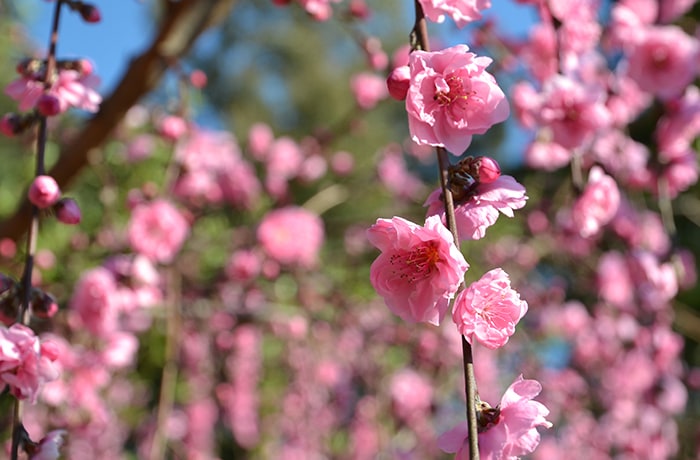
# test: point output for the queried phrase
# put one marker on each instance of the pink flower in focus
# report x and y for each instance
(597, 205)
(398, 82)
(157, 230)
(419, 269)
(512, 434)
(292, 236)
(664, 60)
(462, 12)
(25, 363)
(44, 191)
(481, 210)
(368, 89)
(452, 97)
(488, 310)
(48, 448)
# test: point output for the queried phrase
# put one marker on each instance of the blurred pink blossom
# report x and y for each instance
(411, 394)
(71, 89)
(94, 301)
(488, 310)
(157, 230)
(452, 97)
(480, 211)
(25, 363)
(368, 89)
(513, 432)
(664, 60)
(49, 447)
(172, 127)
(292, 236)
(419, 268)
(597, 205)
(462, 12)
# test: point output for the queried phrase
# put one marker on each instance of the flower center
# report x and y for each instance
(452, 89)
(416, 264)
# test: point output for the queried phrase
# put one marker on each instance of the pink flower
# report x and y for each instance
(488, 310)
(597, 205)
(292, 236)
(481, 209)
(157, 230)
(398, 82)
(462, 12)
(419, 269)
(71, 89)
(95, 301)
(25, 363)
(452, 97)
(172, 127)
(411, 394)
(664, 60)
(395, 175)
(368, 89)
(48, 448)
(44, 191)
(512, 431)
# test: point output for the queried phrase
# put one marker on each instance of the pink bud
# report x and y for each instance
(68, 211)
(90, 13)
(9, 125)
(48, 105)
(86, 67)
(43, 304)
(198, 79)
(44, 191)
(489, 170)
(398, 82)
(359, 9)
(172, 127)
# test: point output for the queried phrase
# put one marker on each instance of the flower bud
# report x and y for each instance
(359, 9)
(172, 127)
(90, 13)
(67, 211)
(488, 170)
(198, 79)
(44, 191)
(398, 82)
(86, 67)
(43, 304)
(48, 105)
(9, 124)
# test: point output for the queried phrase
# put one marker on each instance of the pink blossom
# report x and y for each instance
(320, 10)
(597, 205)
(95, 302)
(49, 447)
(395, 176)
(67, 211)
(513, 431)
(260, 138)
(44, 191)
(292, 236)
(613, 279)
(398, 82)
(488, 310)
(462, 12)
(574, 112)
(452, 97)
(71, 89)
(547, 156)
(368, 89)
(243, 265)
(419, 268)
(481, 210)
(664, 61)
(25, 363)
(157, 230)
(172, 127)
(411, 394)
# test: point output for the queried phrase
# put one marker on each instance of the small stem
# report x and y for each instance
(168, 381)
(665, 207)
(419, 41)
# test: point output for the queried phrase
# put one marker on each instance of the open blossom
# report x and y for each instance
(94, 301)
(481, 209)
(452, 97)
(512, 430)
(488, 310)
(419, 269)
(25, 362)
(71, 89)
(597, 205)
(157, 230)
(461, 11)
(292, 236)
(368, 89)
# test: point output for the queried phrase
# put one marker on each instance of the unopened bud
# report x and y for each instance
(398, 82)
(68, 211)
(48, 105)
(43, 304)
(90, 13)
(9, 124)
(86, 67)
(198, 79)
(44, 191)
(359, 9)
(488, 170)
